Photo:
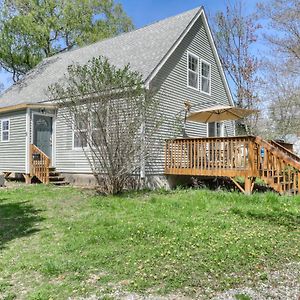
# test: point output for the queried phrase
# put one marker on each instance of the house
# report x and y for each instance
(178, 59)
(177, 56)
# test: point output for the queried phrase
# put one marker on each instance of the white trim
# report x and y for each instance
(209, 78)
(73, 138)
(176, 44)
(200, 13)
(7, 130)
(222, 133)
(53, 137)
(27, 142)
(188, 54)
(53, 160)
(217, 57)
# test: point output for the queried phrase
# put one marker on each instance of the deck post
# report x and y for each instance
(248, 185)
(27, 178)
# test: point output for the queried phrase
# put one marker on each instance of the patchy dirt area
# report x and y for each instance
(280, 285)
(13, 184)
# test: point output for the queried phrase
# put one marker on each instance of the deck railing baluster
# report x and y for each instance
(229, 156)
(39, 164)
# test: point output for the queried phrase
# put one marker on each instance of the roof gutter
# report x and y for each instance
(25, 106)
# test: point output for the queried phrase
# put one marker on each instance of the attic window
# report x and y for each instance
(5, 127)
(205, 77)
(193, 71)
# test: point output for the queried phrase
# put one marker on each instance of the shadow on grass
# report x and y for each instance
(288, 219)
(17, 220)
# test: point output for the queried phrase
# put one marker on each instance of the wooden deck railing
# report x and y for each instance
(39, 164)
(230, 156)
(246, 156)
(278, 167)
(285, 150)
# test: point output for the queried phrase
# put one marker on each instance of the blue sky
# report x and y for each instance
(144, 12)
(148, 11)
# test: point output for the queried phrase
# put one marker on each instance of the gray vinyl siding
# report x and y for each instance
(13, 152)
(68, 159)
(172, 92)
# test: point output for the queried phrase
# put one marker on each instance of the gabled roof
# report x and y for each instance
(145, 49)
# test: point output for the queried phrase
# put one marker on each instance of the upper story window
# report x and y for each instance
(5, 128)
(205, 77)
(193, 71)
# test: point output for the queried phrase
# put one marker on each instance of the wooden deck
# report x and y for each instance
(246, 156)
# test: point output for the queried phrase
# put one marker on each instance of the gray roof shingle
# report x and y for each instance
(143, 48)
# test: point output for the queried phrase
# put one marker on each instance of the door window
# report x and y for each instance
(42, 133)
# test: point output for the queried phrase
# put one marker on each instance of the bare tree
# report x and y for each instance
(281, 92)
(283, 17)
(235, 33)
(108, 108)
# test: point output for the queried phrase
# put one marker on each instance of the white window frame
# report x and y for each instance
(91, 128)
(74, 130)
(188, 70)
(7, 130)
(209, 78)
(222, 129)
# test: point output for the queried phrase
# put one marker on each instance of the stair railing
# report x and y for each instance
(285, 150)
(39, 164)
(280, 170)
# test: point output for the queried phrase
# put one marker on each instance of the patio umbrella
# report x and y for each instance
(220, 113)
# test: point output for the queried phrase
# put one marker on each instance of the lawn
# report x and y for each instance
(57, 243)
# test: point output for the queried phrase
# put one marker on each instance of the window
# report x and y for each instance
(205, 77)
(215, 129)
(96, 124)
(80, 132)
(193, 71)
(5, 127)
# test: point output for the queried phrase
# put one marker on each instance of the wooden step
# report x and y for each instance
(56, 178)
(54, 173)
(60, 183)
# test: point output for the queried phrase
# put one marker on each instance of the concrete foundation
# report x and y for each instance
(151, 181)
(80, 179)
(2, 180)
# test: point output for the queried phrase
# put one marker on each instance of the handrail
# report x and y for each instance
(277, 168)
(39, 164)
(246, 156)
(279, 153)
(287, 151)
(220, 156)
(212, 138)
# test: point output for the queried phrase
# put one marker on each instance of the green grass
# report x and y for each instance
(62, 242)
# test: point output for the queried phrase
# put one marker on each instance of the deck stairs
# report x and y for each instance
(279, 168)
(56, 178)
(40, 168)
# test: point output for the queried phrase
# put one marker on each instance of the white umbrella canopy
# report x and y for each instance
(220, 113)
